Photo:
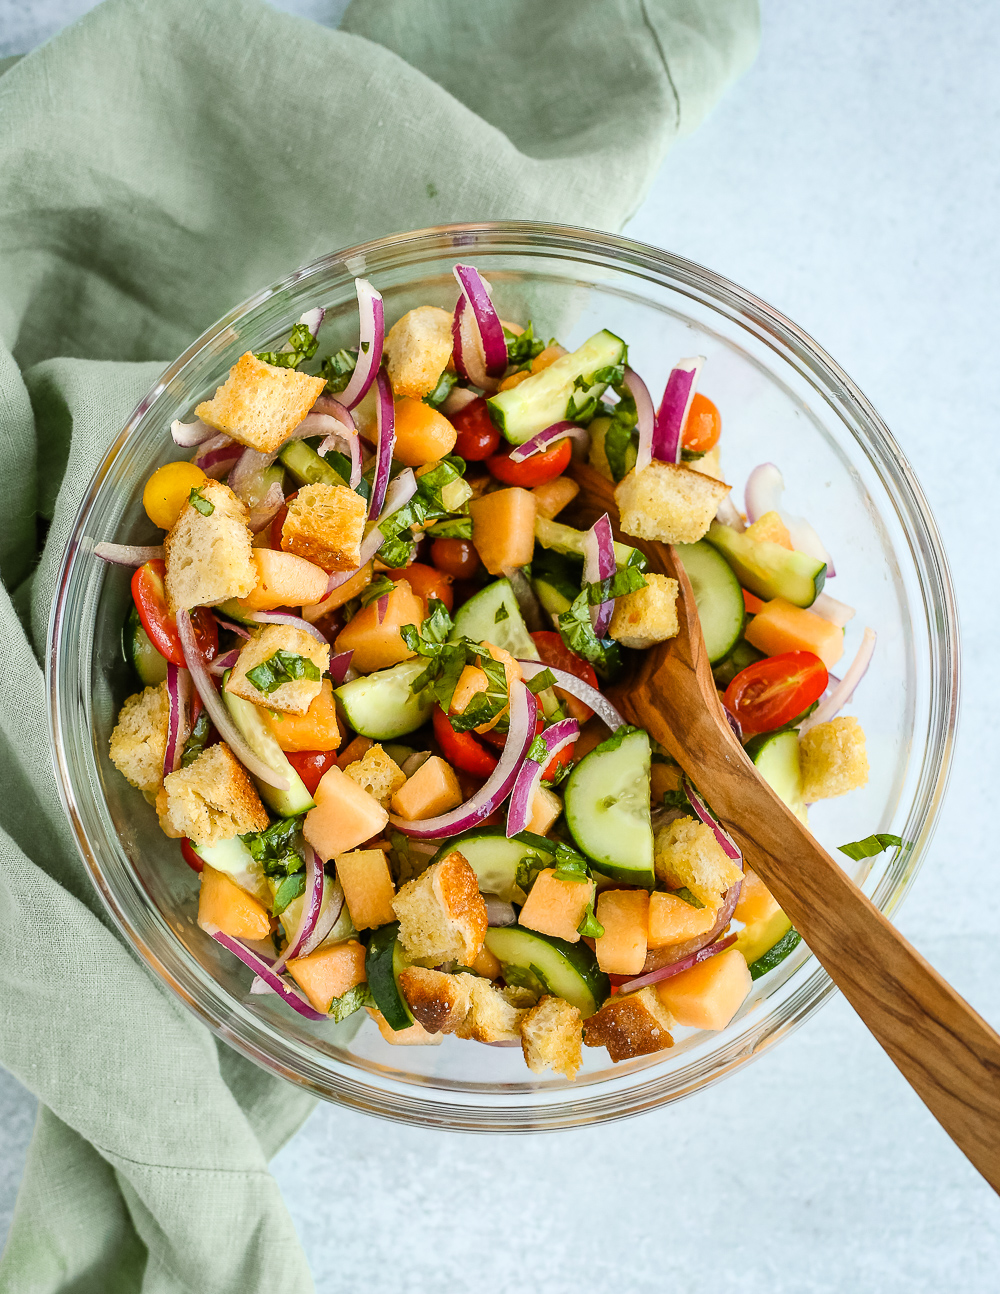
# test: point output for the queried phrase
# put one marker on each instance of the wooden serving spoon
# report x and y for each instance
(947, 1053)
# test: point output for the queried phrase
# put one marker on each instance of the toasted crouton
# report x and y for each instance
(440, 1002)
(552, 1037)
(442, 915)
(647, 616)
(418, 348)
(259, 404)
(325, 524)
(378, 774)
(491, 1017)
(630, 1024)
(833, 759)
(415, 1036)
(208, 557)
(290, 698)
(212, 799)
(139, 741)
(688, 854)
(668, 502)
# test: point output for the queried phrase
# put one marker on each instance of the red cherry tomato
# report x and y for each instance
(554, 651)
(311, 765)
(426, 582)
(150, 597)
(703, 426)
(772, 692)
(190, 857)
(536, 470)
(477, 437)
(462, 749)
(456, 557)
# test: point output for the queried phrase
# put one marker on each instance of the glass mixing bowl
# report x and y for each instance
(782, 399)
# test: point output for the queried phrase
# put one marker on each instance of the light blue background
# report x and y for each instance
(853, 180)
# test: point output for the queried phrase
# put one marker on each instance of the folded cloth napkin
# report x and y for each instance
(158, 162)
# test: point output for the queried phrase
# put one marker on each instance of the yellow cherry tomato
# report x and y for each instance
(167, 491)
(422, 434)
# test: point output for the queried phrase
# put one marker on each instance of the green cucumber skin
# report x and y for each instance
(383, 962)
(776, 758)
(569, 541)
(493, 858)
(553, 599)
(140, 653)
(381, 705)
(260, 739)
(621, 846)
(785, 945)
(476, 619)
(767, 569)
(571, 971)
(307, 467)
(718, 596)
(742, 656)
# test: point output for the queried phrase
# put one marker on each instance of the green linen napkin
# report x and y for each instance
(158, 162)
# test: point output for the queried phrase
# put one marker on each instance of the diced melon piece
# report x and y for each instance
(374, 637)
(432, 789)
(756, 902)
(345, 816)
(771, 529)
(503, 528)
(414, 1036)
(368, 887)
(552, 496)
(662, 778)
(624, 914)
(708, 995)
(356, 749)
(779, 627)
(329, 972)
(283, 580)
(317, 729)
(485, 963)
(222, 903)
(556, 907)
(546, 806)
(672, 921)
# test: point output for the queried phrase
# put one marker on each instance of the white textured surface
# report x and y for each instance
(852, 180)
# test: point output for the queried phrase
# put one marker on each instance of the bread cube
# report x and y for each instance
(647, 616)
(442, 915)
(440, 1002)
(491, 1017)
(213, 799)
(325, 524)
(259, 404)
(415, 1036)
(291, 698)
(833, 759)
(139, 741)
(556, 907)
(378, 773)
(552, 1037)
(418, 350)
(688, 854)
(668, 502)
(208, 558)
(630, 1024)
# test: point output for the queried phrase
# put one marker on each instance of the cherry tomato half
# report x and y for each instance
(554, 651)
(703, 426)
(772, 692)
(462, 749)
(190, 857)
(311, 765)
(426, 582)
(477, 437)
(456, 557)
(150, 597)
(535, 470)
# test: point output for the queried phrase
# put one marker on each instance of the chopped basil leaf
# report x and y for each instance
(353, 1000)
(577, 632)
(621, 583)
(198, 739)
(687, 897)
(301, 346)
(527, 869)
(452, 528)
(620, 433)
(432, 484)
(288, 891)
(616, 739)
(872, 845)
(530, 978)
(590, 927)
(692, 455)
(283, 667)
(377, 589)
(582, 411)
(277, 848)
(538, 751)
(198, 501)
(540, 682)
(501, 614)
(438, 624)
(443, 389)
(523, 347)
(337, 370)
(397, 552)
(485, 705)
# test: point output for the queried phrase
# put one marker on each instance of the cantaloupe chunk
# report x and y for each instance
(355, 749)
(503, 528)
(486, 964)
(368, 887)
(756, 902)
(415, 1036)
(781, 627)
(708, 995)
(672, 921)
(329, 972)
(663, 778)
(343, 593)
(624, 914)
(283, 580)
(432, 789)
(552, 496)
(317, 729)
(546, 806)
(556, 907)
(345, 816)
(771, 529)
(473, 679)
(374, 638)
(222, 903)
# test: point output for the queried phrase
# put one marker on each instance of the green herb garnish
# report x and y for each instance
(198, 501)
(283, 667)
(301, 346)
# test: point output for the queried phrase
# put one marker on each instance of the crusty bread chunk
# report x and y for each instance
(290, 698)
(378, 774)
(208, 558)
(139, 741)
(212, 799)
(415, 1036)
(259, 404)
(442, 915)
(491, 1017)
(418, 348)
(668, 502)
(688, 854)
(833, 759)
(552, 1037)
(440, 1002)
(325, 524)
(630, 1024)
(647, 616)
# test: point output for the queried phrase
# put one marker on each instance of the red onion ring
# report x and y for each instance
(401, 489)
(232, 627)
(310, 910)
(386, 416)
(339, 666)
(529, 775)
(371, 341)
(599, 564)
(264, 512)
(837, 613)
(128, 554)
(728, 515)
(726, 842)
(456, 400)
(543, 439)
(675, 968)
(226, 661)
(313, 319)
(345, 437)
(674, 409)
(498, 912)
(286, 618)
(262, 968)
(590, 696)
(646, 417)
(764, 488)
(479, 325)
(844, 690)
(527, 599)
(189, 434)
(179, 701)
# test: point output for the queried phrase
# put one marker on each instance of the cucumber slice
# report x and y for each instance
(492, 615)
(757, 938)
(718, 595)
(738, 659)
(381, 705)
(307, 467)
(383, 962)
(555, 598)
(776, 758)
(566, 540)
(140, 652)
(262, 741)
(787, 944)
(545, 398)
(569, 971)
(233, 858)
(624, 459)
(494, 859)
(607, 808)
(767, 569)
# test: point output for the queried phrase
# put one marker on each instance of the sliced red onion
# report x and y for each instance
(217, 456)
(311, 905)
(597, 701)
(764, 488)
(674, 409)
(233, 627)
(350, 442)
(675, 968)
(128, 554)
(327, 920)
(726, 842)
(523, 710)
(480, 348)
(467, 350)
(313, 319)
(339, 666)
(805, 540)
(417, 760)
(838, 613)
(401, 489)
(226, 661)
(529, 775)
(179, 700)
(189, 434)
(646, 417)
(245, 476)
(527, 599)
(264, 969)
(542, 440)
(728, 515)
(498, 912)
(264, 512)
(456, 400)
(216, 708)
(734, 723)
(286, 618)
(844, 690)
(657, 957)
(386, 440)
(599, 564)
(371, 341)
